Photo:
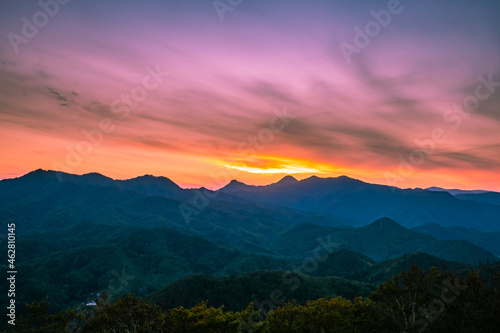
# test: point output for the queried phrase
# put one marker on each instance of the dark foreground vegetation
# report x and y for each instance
(413, 301)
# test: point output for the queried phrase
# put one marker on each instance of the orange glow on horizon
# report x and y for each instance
(276, 165)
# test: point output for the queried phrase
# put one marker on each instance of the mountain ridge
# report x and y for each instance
(138, 224)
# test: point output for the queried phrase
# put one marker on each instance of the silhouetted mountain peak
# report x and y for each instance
(287, 180)
(150, 180)
(235, 182)
(96, 176)
(313, 178)
(329, 180)
(386, 223)
(344, 177)
(39, 173)
(50, 175)
(235, 185)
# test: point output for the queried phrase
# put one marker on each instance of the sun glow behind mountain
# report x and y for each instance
(269, 165)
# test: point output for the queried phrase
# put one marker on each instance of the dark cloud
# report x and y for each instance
(465, 160)
(306, 133)
(389, 92)
(273, 92)
(7, 63)
(157, 142)
(98, 109)
(58, 95)
(490, 108)
(40, 74)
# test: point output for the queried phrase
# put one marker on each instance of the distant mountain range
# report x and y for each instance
(477, 195)
(384, 239)
(457, 191)
(72, 234)
(487, 240)
(363, 203)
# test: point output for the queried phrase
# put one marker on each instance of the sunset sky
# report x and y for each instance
(263, 92)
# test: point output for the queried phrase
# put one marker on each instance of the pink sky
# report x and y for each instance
(226, 78)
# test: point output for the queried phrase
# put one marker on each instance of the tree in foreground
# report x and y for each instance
(412, 302)
(337, 315)
(415, 302)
